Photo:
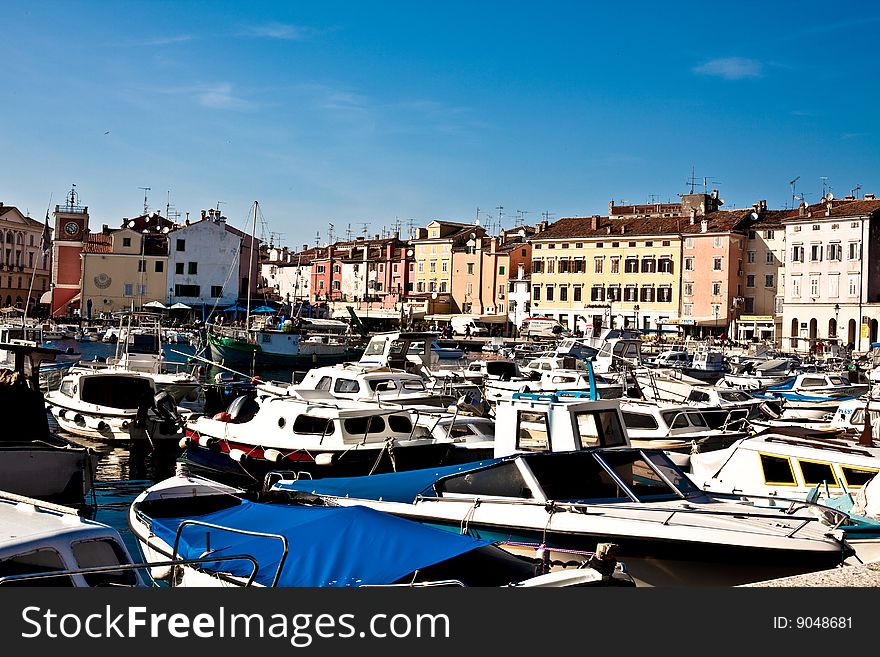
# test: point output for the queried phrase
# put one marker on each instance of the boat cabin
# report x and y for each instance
(400, 350)
(530, 422)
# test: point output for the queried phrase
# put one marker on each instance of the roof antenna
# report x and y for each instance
(792, 183)
(146, 189)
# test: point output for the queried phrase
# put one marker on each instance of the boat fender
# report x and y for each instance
(79, 419)
(223, 416)
(237, 455)
(182, 443)
(102, 426)
(272, 455)
(125, 424)
(324, 459)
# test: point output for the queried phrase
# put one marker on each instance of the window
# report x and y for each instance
(160, 266)
(306, 424)
(815, 253)
(818, 473)
(178, 268)
(129, 289)
(600, 245)
(444, 266)
(688, 289)
(855, 251)
(563, 265)
(797, 253)
(647, 293)
(856, 477)
(649, 265)
(563, 292)
(749, 305)
(835, 251)
(716, 288)
(853, 285)
(420, 286)
(40, 560)
(649, 243)
(193, 268)
(665, 265)
(630, 293)
(814, 286)
(613, 293)
(335, 285)
(717, 242)
(531, 431)
(768, 280)
(551, 266)
(750, 256)
(142, 265)
(750, 280)
(597, 293)
(537, 266)
(577, 292)
(422, 267)
(667, 243)
(615, 265)
(632, 244)
(716, 263)
(833, 285)
(769, 234)
(181, 245)
(536, 292)
(320, 269)
(432, 267)
(769, 258)
(216, 291)
(632, 265)
(187, 290)
(348, 386)
(664, 293)
(688, 309)
(689, 264)
(550, 293)
(795, 286)
(501, 270)
(599, 264)
(578, 265)
(126, 241)
(689, 243)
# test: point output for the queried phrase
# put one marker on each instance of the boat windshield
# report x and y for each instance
(376, 347)
(116, 391)
(610, 476)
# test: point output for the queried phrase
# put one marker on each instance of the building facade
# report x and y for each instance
(70, 235)
(25, 260)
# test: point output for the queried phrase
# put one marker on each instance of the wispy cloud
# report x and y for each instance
(730, 68)
(162, 40)
(221, 96)
(283, 31)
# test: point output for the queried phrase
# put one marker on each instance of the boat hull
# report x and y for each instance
(64, 475)
(237, 353)
(226, 460)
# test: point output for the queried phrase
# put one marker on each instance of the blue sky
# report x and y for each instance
(356, 112)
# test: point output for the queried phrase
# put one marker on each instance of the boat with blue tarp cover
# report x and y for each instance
(284, 545)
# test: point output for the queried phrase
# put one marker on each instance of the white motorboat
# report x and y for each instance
(285, 545)
(44, 544)
(311, 432)
(550, 374)
(668, 532)
(115, 406)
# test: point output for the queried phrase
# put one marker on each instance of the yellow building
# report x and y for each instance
(433, 247)
(123, 270)
(597, 272)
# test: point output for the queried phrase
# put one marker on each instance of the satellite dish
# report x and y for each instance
(473, 236)
(410, 253)
(754, 216)
(433, 295)
(829, 196)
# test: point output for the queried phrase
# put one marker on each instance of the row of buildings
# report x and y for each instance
(794, 277)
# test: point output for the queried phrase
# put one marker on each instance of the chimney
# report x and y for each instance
(622, 228)
(693, 216)
(594, 222)
(609, 230)
(204, 214)
(704, 226)
(868, 197)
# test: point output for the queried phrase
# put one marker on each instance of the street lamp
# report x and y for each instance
(636, 310)
(836, 321)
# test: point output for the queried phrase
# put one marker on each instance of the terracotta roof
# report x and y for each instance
(839, 208)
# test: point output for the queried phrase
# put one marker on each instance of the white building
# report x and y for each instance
(289, 274)
(518, 298)
(830, 284)
(204, 263)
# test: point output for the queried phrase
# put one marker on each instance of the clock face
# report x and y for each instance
(71, 228)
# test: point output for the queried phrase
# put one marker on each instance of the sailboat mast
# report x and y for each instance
(247, 321)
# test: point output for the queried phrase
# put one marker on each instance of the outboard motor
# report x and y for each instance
(166, 409)
(243, 409)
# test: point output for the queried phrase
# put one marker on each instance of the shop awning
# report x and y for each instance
(46, 297)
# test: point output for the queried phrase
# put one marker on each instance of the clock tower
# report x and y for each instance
(71, 230)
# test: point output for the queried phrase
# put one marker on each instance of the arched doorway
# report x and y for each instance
(851, 333)
(832, 328)
(814, 333)
(794, 333)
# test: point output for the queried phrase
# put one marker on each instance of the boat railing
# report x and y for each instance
(117, 568)
(233, 530)
(666, 514)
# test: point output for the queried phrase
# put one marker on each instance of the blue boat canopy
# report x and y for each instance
(328, 546)
(390, 487)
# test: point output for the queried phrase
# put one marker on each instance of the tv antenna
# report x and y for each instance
(330, 233)
(855, 190)
(365, 229)
(500, 209)
(521, 217)
(825, 187)
(546, 215)
(792, 183)
(146, 189)
(692, 180)
(348, 233)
